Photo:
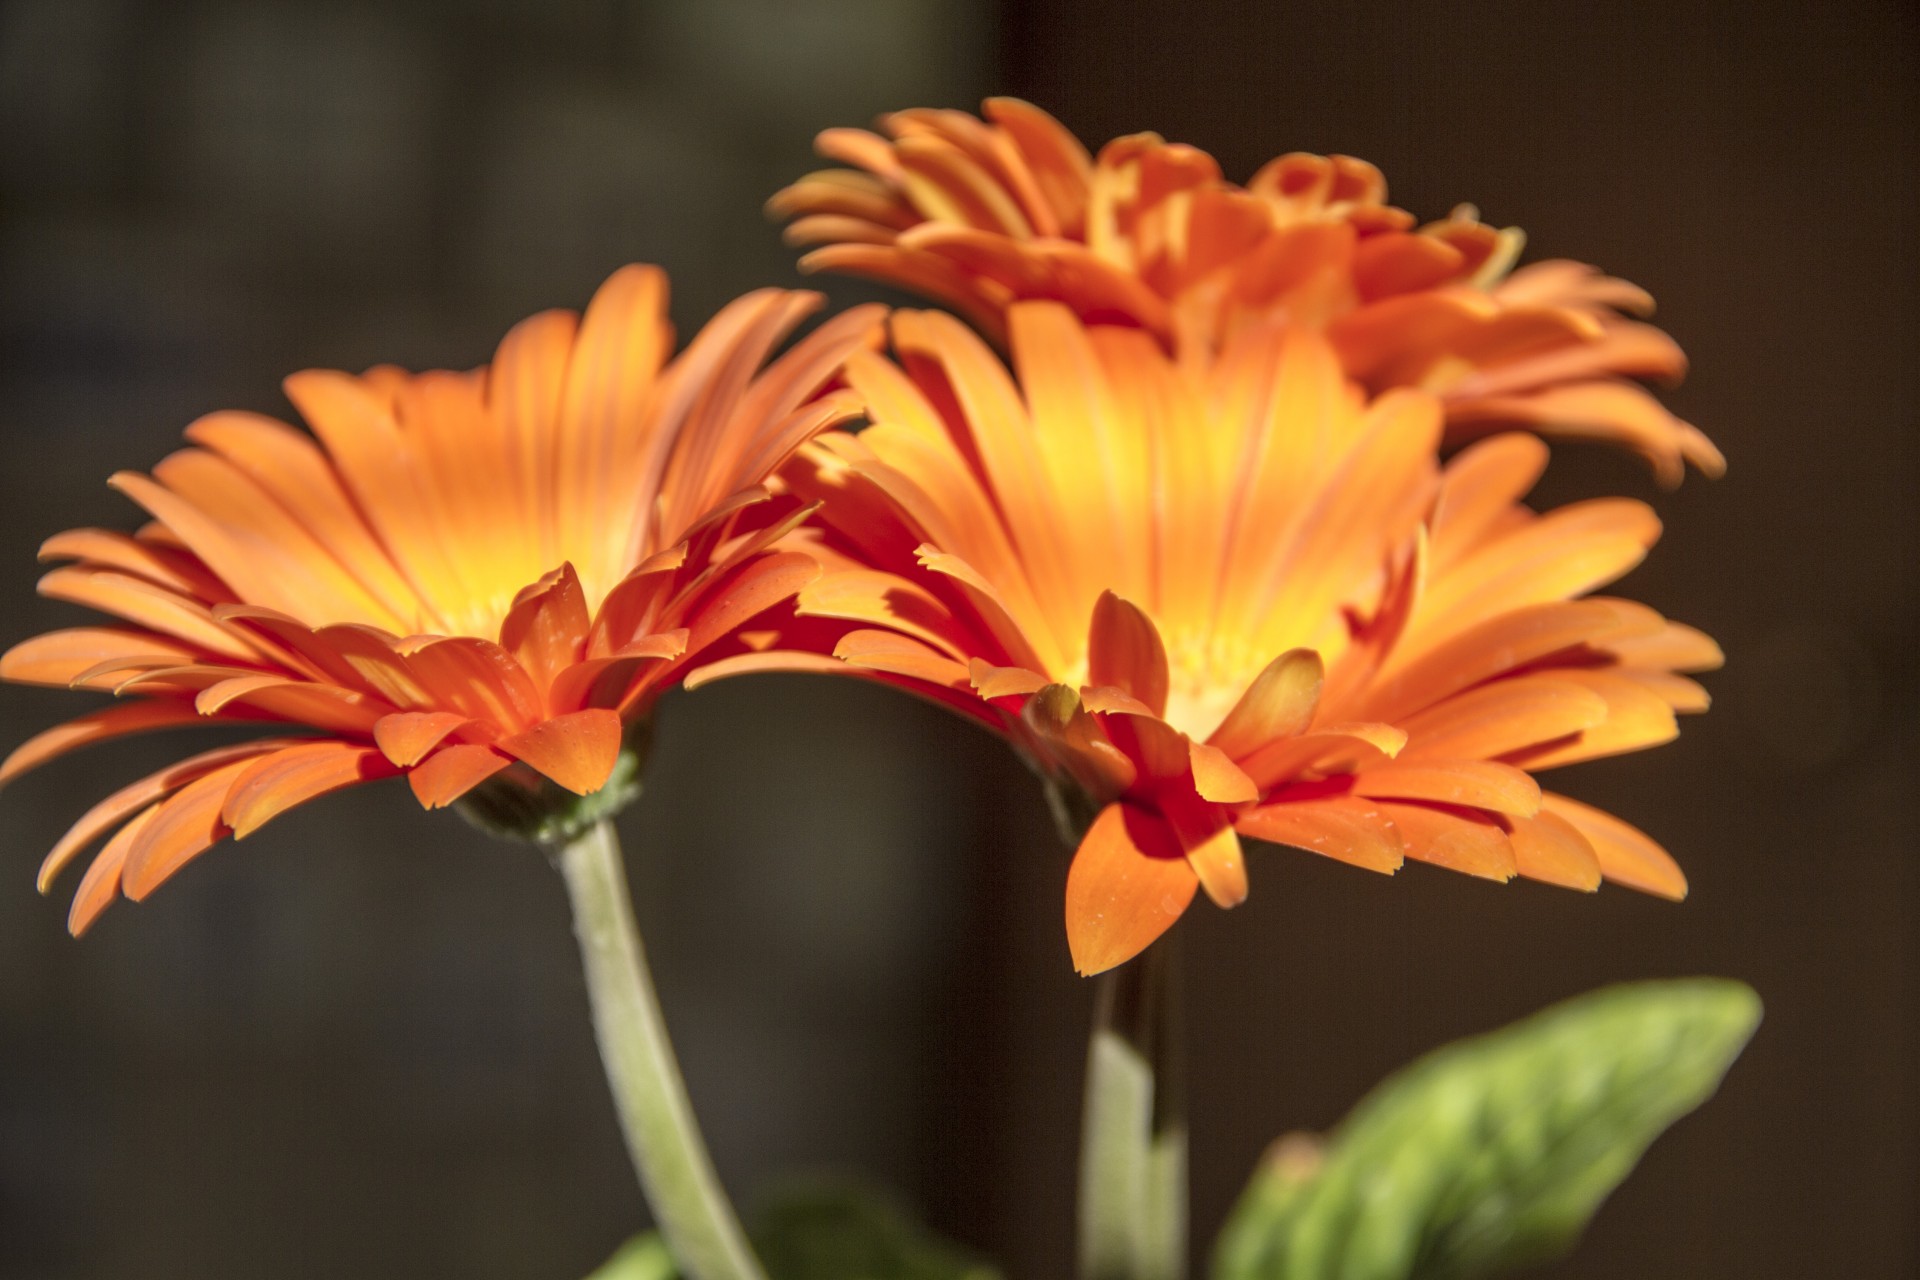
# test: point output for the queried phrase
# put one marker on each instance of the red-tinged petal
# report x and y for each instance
(184, 826)
(609, 681)
(546, 630)
(1457, 839)
(1356, 832)
(99, 726)
(477, 678)
(1124, 650)
(370, 657)
(1627, 855)
(747, 592)
(271, 786)
(1217, 778)
(1278, 704)
(1548, 848)
(577, 750)
(451, 772)
(407, 736)
(1129, 882)
(886, 600)
(1159, 749)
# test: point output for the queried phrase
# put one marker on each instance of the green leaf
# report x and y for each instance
(644, 1257)
(822, 1231)
(1494, 1152)
(836, 1231)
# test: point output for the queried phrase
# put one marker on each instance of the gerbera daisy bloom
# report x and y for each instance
(471, 578)
(1238, 598)
(979, 214)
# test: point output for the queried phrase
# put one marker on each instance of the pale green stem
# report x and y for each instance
(675, 1172)
(1133, 1142)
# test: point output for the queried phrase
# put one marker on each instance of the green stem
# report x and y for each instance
(1133, 1142)
(675, 1172)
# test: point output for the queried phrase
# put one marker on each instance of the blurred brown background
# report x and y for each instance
(356, 1045)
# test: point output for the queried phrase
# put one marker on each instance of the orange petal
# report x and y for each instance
(99, 726)
(752, 663)
(212, 699)
(1356, 832)
(407, 736)
(1627, 855)
(1503, 716)
(751, 589)
(1278, 704)
(1473, 784)
(577, 750)
(1217, 861)
(1129, 882)
(898, 655)
(992, 682)
(1636, 718)
(547, 627)
(101, 885)
(269, 787)
(184, 826)
(1457, 839)
(1548, 848)
(65, 657)
(1217, 778)
(451, 772)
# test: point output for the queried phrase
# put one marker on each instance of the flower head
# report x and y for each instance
(980, 214)
(457, 576)
(1237, 598)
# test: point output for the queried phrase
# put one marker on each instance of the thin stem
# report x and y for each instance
(675, 1172)
(1133, 1142)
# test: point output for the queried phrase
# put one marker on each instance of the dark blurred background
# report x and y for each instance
(357, 1044)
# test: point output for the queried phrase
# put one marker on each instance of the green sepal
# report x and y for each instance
(1494, 1152)
(519, 804)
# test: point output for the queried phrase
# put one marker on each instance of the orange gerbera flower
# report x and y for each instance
(1238, 598)
(981, 214)
(464, 574)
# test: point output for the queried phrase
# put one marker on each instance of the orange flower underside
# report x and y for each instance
(1238, 598)
(980, 214)
(455, 574)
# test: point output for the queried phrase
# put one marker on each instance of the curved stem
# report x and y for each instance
(1133, 1142)
(675, 1172)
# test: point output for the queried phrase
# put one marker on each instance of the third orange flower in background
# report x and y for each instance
(981, 214)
